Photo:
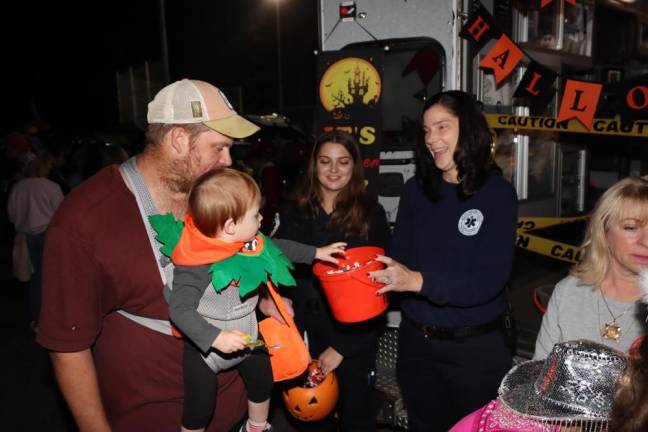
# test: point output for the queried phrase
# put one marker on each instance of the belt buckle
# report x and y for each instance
(445, 332)
(437, 332)
(464, 332)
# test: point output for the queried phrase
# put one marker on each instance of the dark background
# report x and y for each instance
(58, 71)
(60, 59)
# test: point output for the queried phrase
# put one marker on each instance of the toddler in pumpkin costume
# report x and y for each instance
(220, 260)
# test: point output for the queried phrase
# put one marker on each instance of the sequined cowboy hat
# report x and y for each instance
(574, 385)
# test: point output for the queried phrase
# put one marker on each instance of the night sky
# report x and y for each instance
(60, 59)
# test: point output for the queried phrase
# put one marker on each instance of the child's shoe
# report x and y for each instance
(267, 428)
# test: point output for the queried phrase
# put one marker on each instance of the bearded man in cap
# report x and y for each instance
(104, 316)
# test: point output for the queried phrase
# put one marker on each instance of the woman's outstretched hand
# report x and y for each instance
(396, 277)
(327, 253)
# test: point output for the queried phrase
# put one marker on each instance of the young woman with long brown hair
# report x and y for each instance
(330, 207)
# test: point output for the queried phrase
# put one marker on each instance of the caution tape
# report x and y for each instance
(532, 223)
(550, 248)
(543, 246)
(638, 128)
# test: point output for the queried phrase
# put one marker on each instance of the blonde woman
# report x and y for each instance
(599, 300)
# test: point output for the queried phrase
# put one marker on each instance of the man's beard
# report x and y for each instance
(180, 175)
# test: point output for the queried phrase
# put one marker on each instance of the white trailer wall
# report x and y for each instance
(394, 19)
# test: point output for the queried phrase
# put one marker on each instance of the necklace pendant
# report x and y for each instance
(611, 331)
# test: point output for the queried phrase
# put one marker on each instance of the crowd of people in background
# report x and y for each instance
(37, 168)
(104, 314)
(74, 157)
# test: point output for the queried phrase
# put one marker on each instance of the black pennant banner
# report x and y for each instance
(480, 28)
(632, 98)
(629, 98)
(536, 86)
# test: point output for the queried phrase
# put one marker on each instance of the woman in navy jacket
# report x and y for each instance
(451, 253)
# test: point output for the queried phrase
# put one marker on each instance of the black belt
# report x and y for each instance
(438, 332)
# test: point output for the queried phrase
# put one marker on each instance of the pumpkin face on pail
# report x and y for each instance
(312, 403)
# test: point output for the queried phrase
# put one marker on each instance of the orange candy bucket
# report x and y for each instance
(350, 292)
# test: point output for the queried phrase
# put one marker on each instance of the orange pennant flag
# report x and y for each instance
(544, 3)
(579, 101)
(502, 58)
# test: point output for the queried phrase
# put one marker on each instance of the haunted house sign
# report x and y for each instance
(350, 89)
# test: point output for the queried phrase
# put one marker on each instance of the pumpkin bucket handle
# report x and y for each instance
(291, 358)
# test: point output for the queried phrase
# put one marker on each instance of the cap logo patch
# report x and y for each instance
(470, 222)
(227, 102)
(196, 109)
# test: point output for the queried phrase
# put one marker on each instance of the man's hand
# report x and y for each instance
(268, 307)
(229, 341)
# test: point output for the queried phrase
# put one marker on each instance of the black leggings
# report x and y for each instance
(201, 385)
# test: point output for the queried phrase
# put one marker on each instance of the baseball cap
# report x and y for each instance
(192, 101)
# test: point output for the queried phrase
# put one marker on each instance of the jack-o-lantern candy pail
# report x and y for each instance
(314, 396)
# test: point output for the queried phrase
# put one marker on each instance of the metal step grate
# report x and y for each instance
(392, 411)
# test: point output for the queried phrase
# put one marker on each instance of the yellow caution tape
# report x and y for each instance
(531, 223)
(543, 246)
(638, 128)
(550, 248)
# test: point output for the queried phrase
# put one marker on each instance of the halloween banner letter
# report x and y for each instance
(579, 101)
(632, 98)
(480, 28)
(637, 97)
(536, 86)
(502, 58)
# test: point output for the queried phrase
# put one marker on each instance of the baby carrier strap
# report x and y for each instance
(146, 207)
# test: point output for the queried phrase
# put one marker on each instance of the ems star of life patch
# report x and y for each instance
(470, 222)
